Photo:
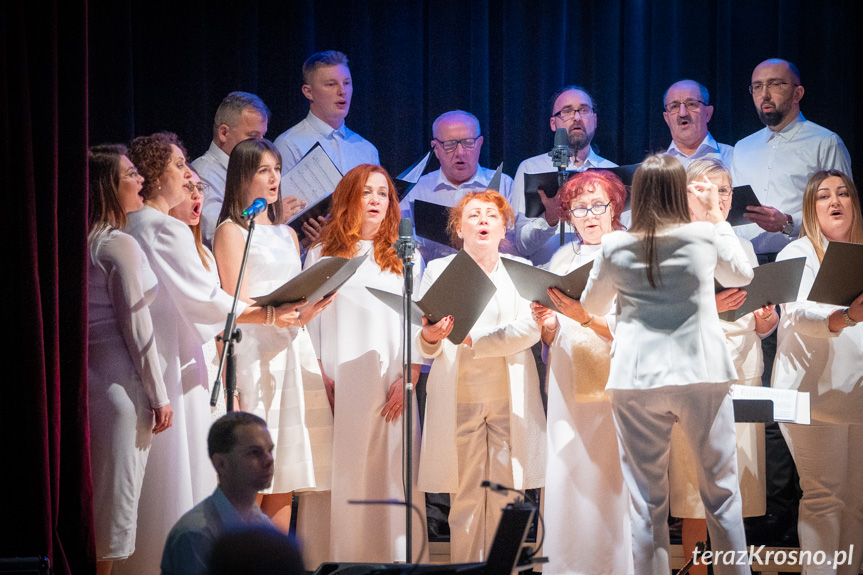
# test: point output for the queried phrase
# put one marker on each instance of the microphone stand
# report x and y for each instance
(404, 250)
(562, 176)
(231, 336)
(560, 160)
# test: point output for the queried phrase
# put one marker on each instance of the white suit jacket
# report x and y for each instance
(670, 335)
(512, 340)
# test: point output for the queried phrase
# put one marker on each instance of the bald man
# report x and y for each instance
(687, 110)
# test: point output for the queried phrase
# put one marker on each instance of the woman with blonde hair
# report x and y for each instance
(743, 338)
(828, 341)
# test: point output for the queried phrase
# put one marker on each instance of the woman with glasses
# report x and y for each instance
(828, 341)
(484, 418)
(128, 403)
(669, 359)
(189, 212)
(743, 339)
(586, 502)
(277, 370)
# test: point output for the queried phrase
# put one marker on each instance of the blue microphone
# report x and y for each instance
(258, 206)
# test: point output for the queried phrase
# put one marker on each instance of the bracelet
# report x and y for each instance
(847, 319)
(588, 322)
(271, 316)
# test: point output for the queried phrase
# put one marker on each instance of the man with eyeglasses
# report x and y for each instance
(457, 141)
(687, 111)
(778, 160)
(573, 109)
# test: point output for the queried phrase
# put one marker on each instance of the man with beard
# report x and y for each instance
(778, 160)
(687, 112)
(241, 450)
(573, 109)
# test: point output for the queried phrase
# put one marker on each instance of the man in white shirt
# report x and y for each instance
(239, 117)
(573, 109)
(328, 87)
(241, 450)
(778, 160)
(457, 142)
(687, 111)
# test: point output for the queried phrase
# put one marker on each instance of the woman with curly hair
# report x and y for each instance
(359, 343)
(189, 310)
(124, 379)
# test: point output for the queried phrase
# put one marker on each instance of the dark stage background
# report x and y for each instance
(74, 74)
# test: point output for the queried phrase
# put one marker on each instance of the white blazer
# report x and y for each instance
(670, 335)
(512, 340)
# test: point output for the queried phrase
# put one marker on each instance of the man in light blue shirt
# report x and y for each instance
(457, 141)
(778, 160)
(573, 109)
(687, 111)
(241, 450)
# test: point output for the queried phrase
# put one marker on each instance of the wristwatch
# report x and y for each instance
(788, 228)
(848, 321)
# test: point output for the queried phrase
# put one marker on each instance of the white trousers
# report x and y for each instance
(829, 460)
(644, 418)
(482, 440)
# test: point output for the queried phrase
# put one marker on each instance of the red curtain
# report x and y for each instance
(46, 507)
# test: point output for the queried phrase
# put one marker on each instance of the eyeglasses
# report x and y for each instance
(596, 210)
(568, 114)
(772, 85)
(200, 187)
(691, 105)
(451, 145)
(133, 173)
(725, 192)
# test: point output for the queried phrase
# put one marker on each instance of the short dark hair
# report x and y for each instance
(222, 438)
(567, 89)
(320, 59)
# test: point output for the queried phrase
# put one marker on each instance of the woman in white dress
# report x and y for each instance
(189, 310)
(828, 341)
(276, 365)
(669, 361)
(484, 419)
(743, 338)
(586, 502)
(359, 342)
(128, 403)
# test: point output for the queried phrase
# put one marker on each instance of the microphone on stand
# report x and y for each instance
(560, 153)
(560, 159)
(258, 206)
(406, 245)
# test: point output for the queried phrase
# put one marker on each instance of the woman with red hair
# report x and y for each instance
(359, 344)
(484, 418)
(586, 501)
